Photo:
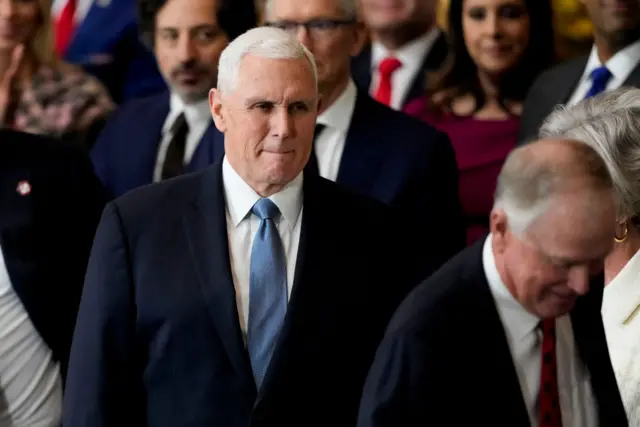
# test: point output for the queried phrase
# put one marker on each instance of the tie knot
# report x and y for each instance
(318, 129)
(265, 209)
(389, 65)
(601, 75)
(180, 123)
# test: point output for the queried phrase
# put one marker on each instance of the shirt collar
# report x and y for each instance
(195, 113)
(620, 65)
(240, 197)
(338, 115)
(410, 55)
(517, 321)
(622, 294)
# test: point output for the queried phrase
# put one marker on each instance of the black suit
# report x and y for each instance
(158, 341)
(445, 356)
(554, 87)
(50, 204)
(432, 61)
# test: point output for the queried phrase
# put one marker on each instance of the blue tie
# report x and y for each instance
(268, 289)
(599, 78)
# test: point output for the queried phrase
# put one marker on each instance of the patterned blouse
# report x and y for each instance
(63, 103)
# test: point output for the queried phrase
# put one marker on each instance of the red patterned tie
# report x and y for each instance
(65, 27)
(386, 69)
(550, 415)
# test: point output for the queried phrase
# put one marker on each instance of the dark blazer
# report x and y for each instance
(445, 356)
(124, 156)
(554, 87)
(158, 341)
(107, 45)
(50, 204)
(408, 165)
(433, 60)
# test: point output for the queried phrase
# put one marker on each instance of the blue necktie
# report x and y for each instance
(268, 290)
(599, 79)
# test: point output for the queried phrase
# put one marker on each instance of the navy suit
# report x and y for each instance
(124, 156)
(107, 45)
(158, 341)
(50, 205)
(408, 165)
(445, 359)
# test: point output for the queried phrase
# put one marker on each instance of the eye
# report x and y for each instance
(512, 11)
(264, 106)
(298, 107)
(477, 13)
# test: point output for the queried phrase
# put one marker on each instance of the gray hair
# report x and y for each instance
(610, 124)
(533, 174)
(348, 8)
(265, 42)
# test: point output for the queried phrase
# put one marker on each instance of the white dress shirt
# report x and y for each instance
(621, 65)
(198, 117)
(329, 145)
(621, 317)
(577, 401)
(30, 380)
(82, 9)
(242, 226)
(411, 56)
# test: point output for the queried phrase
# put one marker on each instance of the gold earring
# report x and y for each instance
(624, 234)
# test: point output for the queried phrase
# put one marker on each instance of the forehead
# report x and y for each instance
(188, 13)
(491, 3)
(282, 9)
(275, 79)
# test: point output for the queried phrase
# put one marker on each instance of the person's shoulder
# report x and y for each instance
(21, 148)
(571, 68)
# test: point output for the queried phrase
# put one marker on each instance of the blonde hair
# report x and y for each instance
(41, 45)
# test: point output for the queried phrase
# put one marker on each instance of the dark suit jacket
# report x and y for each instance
(124, 156)
(554, 87)
(433, 60)
(107, 45)
(408, 165)
(445, 356)
(158, 341)
(46, 230)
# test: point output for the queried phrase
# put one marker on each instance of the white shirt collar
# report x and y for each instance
(517, 321)
(411, 55)
(240, 197)
(622, 295)
(338, 115)
(197, 113)
(621, 64)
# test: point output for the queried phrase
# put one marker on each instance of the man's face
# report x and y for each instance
(188, 43)
(391, 15)
(268, 120)
(320, 25)
(612, 17)
(550, 266)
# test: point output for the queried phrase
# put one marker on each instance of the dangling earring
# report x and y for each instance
(625, 233)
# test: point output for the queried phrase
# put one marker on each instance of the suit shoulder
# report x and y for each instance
(561, 71)
(144, 102)
(348, 201)
(39, 151)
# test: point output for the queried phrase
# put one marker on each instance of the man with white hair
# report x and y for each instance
(248, 294)
(509, 332)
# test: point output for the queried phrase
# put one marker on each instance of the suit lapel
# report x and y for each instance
(361, 69)
(210, 149)
(567, 84)
(431, 62)
(206, 230)
(634, 78)
(362, 156)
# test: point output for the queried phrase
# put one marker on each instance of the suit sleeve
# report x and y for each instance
(101, 151)
(104, 383)
(531, 118)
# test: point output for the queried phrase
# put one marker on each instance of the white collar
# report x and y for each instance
(240, 197)
(622, 295)
(620, 65)
(518, 322)
(412, 53)
(338, 115)
(195, 113)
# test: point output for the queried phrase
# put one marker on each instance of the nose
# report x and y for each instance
(579, 279)
(302, 33)
(6, 8)
(186, 48)
(281, 123)
(492, 25)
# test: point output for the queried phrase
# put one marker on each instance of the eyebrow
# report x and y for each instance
(256, 100)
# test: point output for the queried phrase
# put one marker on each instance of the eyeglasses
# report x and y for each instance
(315, 27)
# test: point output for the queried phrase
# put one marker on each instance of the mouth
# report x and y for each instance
(621, 5)
(190, 77)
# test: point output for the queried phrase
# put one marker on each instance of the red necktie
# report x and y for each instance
(65, 27)
(385, 70)
(550, 415)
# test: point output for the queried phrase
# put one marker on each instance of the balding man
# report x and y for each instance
(508, 333)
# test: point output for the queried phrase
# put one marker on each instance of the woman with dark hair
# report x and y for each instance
(497, 49)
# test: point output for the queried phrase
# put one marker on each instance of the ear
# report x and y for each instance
(499, 226)
(361, 37)
(215, 105)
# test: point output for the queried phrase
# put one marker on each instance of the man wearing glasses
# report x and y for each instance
(366, 146)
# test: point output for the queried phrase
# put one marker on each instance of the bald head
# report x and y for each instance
(537, 173)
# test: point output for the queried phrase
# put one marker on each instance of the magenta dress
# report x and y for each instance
(481, 148)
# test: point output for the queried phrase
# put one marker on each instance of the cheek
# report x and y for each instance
(471, 34)
(519, 33)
